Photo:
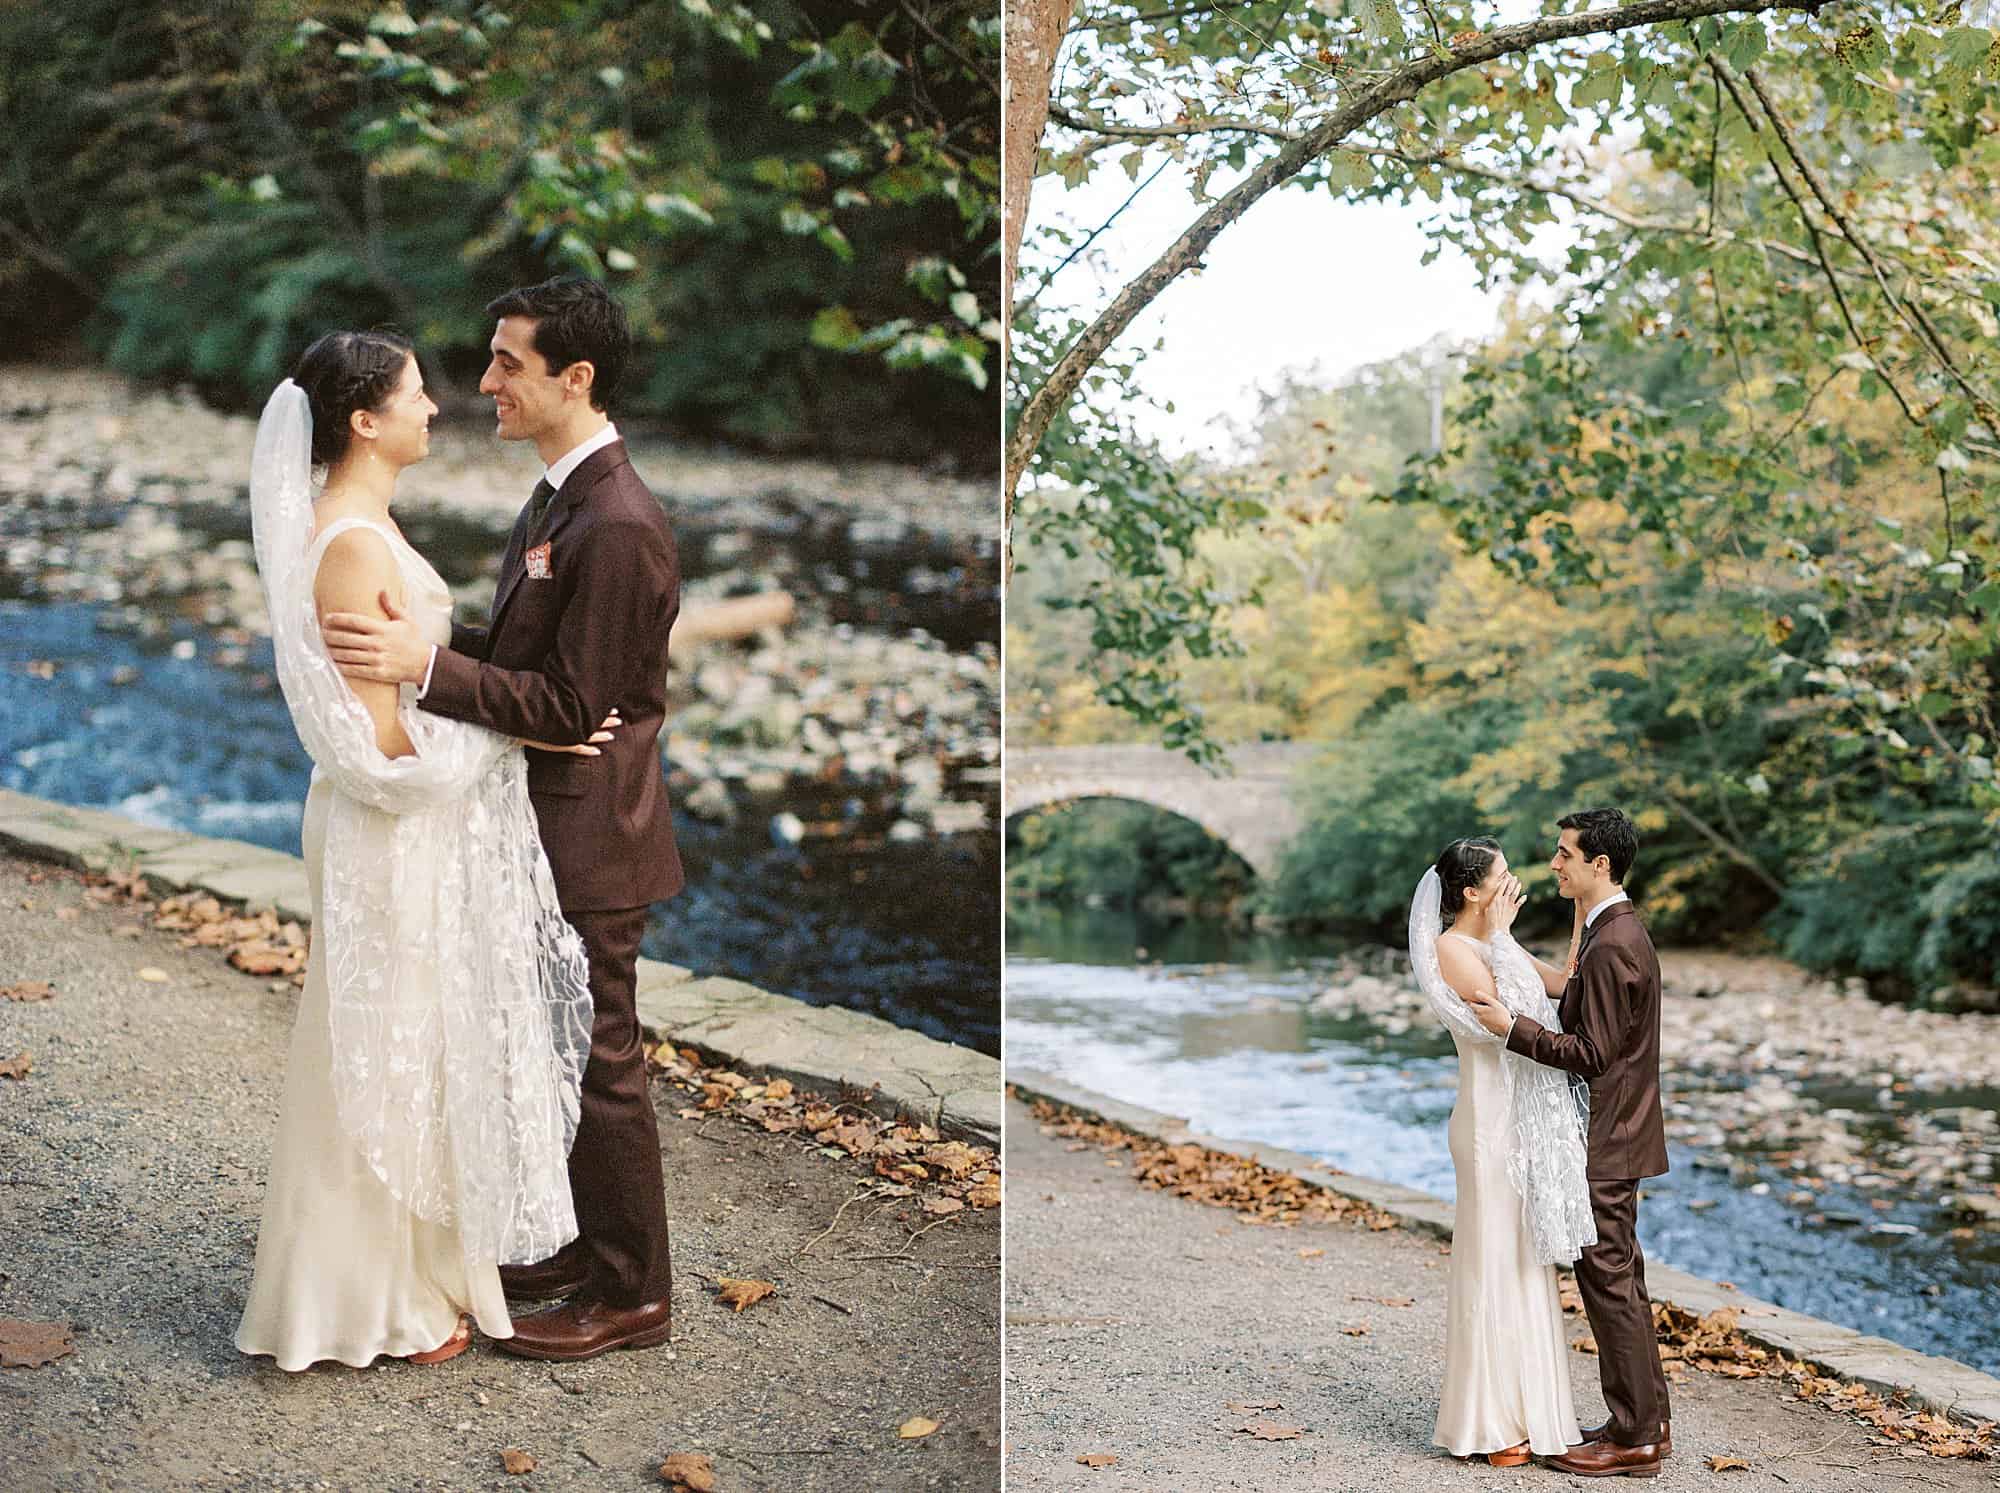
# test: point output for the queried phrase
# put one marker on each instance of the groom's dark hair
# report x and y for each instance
(576, 321)
(1605, 832)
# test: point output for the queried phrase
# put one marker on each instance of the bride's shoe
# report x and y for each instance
(1513, 1456)
(451, 1347)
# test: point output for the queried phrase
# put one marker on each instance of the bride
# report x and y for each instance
(1517, 1148)
(431, 1091)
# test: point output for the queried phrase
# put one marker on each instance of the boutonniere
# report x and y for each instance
(538, 562)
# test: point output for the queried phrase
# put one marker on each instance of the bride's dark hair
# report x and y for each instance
(344, 372)
(1462, 865)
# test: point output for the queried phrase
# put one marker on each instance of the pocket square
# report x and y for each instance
(537, 560)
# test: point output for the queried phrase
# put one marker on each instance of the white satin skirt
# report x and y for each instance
(1506, 1358)
(344, 1271)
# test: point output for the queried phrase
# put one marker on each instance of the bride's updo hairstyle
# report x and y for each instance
(1462, 865)
(344, 372)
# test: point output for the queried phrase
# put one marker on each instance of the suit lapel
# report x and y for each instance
(512, 563)
(562, 509)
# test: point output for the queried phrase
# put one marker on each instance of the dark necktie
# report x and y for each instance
(538, 504)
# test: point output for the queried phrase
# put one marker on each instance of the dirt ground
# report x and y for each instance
(1136, 1320)
(132, 1161)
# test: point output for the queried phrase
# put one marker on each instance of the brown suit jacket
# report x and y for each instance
(1611, 1035)
(559, 653)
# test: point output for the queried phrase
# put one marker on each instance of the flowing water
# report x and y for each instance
(163, 711)
(1202, 1021)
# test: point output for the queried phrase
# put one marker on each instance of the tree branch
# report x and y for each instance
(1910, 311)
(1397, 87)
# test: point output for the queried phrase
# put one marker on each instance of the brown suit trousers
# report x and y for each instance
(1611, 1035)
(585, 601)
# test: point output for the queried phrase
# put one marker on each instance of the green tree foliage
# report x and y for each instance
(1798, 197)
(1458, 696)
(797, 204)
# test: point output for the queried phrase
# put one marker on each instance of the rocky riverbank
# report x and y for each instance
(874, 716)
(1794, 1083)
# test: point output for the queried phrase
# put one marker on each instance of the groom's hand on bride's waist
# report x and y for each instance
(388, 650)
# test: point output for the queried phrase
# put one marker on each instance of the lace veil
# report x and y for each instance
(458, 999)
(1551, 1108)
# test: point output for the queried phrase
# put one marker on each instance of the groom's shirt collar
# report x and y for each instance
(559, 471)
(1611, 901)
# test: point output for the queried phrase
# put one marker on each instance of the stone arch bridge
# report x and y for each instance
(1248, 806)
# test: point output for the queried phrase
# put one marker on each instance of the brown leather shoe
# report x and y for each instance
(1599, 1433)
(562, 1274)
(1605, 1459)
(585, 1327)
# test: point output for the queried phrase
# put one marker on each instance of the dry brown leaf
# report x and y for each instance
(690, 1471)
(27, 990)
(1311, 1254)
(1358, 1330)
(1728, 1464)
(741, 1293)
(778, 1088)
(18, 1066)
(1270, 1430)
(29, 1345)
(942, 1207)
(261, 958)
(915, 1426)
(854, 1137)
(985, 1195)
(153, 975)
(1097, 1459)
(516, 1461)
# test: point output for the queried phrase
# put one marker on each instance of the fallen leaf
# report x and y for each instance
(17, 1066)
(153, 975)
(778, 1088)
(1244, 1407)
(516, 1461)
(942, 1207)
(29, 1345)
(692, 1471)
(1727, 1464)
(27, 990)
(1311, 1254)
(1270, 1430)
(1360, 1330)
(916, 1426)
(985, 1195)
(1097, 1459)
(741, 1293)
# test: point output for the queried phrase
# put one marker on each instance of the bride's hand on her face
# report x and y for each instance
(1507, 904)
(591, 748)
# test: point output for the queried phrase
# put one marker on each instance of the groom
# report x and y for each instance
(589, 588)
(1611, 1036)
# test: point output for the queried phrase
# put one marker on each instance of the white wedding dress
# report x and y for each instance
(344, 1271)
(1506, 1369)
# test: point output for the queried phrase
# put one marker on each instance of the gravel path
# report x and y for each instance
(132, 1163)
(1135, 1318)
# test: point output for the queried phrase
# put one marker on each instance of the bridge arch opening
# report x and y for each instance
(1114, 850)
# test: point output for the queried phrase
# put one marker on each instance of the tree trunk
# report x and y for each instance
(1034, 35)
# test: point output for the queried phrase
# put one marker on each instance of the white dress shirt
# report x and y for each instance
(557, 474)
(1610, 901)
